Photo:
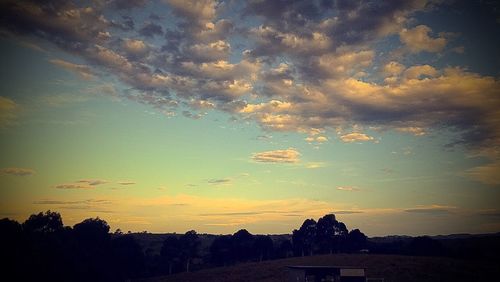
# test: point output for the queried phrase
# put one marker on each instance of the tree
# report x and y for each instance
(12, 246)
(128, 257)
(189, 244)
(92, 251)
(242, 245)
(221, 250)
(92, 230)
(304, 238)
(285, 248)
(330, 234)
(170, 251)
(356, 240)
(263, 246)
(47, 222)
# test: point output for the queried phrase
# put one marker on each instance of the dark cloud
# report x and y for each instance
(151, 29)
(129, 4)
(310, 64)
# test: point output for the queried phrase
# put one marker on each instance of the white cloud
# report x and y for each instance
(348, 188)
(355, 137)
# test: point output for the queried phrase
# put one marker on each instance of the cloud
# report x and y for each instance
(70, 186)
(82, 184)
(487, 174)
(151, 29)
(313, 165)
(16, 171)
(83, 71)
(8, 110)
(289, 155)
(93, 182)
(135, 47)
(348, 188)
(126, 182)
(221, 181)
(355, 137)
(432, 209)
(417, 40)
(347, 212)
(417, 131)
(332, 77)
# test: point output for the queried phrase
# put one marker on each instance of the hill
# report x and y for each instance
(390, 267)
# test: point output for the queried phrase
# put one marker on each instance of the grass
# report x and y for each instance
(390, 267)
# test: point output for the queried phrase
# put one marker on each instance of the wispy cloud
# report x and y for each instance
(348, 188)
(126, 182)
(83, 71)
(17, 171)
(487, 174)
(8, 111)
(82, 184)
(289, 155)
(219, 181)
(432, 209)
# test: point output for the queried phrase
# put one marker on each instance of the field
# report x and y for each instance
(390, 267)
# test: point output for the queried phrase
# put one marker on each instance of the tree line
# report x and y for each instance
(42, 248)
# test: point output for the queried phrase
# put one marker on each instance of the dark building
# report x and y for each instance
(301, 273)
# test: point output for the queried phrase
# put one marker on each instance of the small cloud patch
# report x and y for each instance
(17, 171)
(289, 155)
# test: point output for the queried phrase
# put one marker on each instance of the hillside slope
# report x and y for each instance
(392, 268)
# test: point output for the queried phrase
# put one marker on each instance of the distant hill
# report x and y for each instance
(390, 267)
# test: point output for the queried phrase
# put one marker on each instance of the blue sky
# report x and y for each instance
(174, 115)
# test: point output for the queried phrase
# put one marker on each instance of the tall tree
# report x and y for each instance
(242, 245)
(189, 244)
(221, 250)
(356, 240)
(170, 251)
(263, 246)
(330, 234)
(304, 238)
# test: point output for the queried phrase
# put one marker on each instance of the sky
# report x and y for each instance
(172, 115)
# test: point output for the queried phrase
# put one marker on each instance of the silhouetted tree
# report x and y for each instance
(303, 239)
(221, 250)
(285, 248)
(93, 252)
(12, 247)
(43, 222)
(263, 246)
(356, 240)
(189, 244)
(46, 244)
(170, 251)
(242, 245)
(128, 257)
(330, 234)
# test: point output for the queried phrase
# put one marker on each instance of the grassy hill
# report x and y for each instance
(391, 267)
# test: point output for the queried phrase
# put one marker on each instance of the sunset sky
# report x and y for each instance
(210, 115)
